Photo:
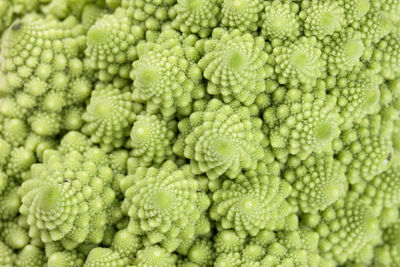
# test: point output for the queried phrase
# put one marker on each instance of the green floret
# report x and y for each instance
(228, 241)
(57, 8)
(357, 95)
(165, 76)
(126, 243)
(386, 56)
(41, 73)
(342, 51)
(197, 16)
(220, 139)
(9, 201)
(280, 20)
(366, 149)
(119, 160)
(45, 124)
(354, 10)
(154, 256)
(14, 131)
(344, 229)
(234, 65)
(202, 252)
(241, 14)
(65, 259)
(7, 256)
(384, 189)
(252, 253)
(111, 45)
(22, 7)
(109, 116)
(228, 259)
(250, 203)
(72, 117)
(390, 105)
(388, 254)
(163, 204)
(148, 13)
(90, 14)
(69, 198)
(6, 14)
(317, 181)
(37, 144)
(30, 256)
(375, 25)
(302, 122)
(392, 7)
(105, 257)
(321, 18)
(13, 235)
(289, 248)
(151, 140)
(298, 62)
(292, 248)
(74, 141)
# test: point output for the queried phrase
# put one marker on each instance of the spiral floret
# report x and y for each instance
(9, 201)
(6, 14)
(345, 228)
(7, 256)
(354, 10)
(68, 198)
(241, 14)
(65, 258)
(280, 20)
(375, 25)
(109, 116)
(13, 235)
(357, 95)
(197, 16)
(367, 148)
(151, 138)
(250, 203)
(202, 252)
(74, 141)
(165, 77)
(303, 123)
(219, 139)
(392, 7)
(148, 13)
(162, 204)
(154, 256)
(388, 254)
(321, 18)
(293, 248)
(30, 256)
(234, 65)
(298, 62)
(41, 73)
(105, 257)
(318, 181)
(111, 45)
(228, 241)
(384, 189)
(387, 55)
(342, 51)
(126, 243)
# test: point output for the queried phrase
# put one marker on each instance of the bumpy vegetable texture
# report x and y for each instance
(196, 133)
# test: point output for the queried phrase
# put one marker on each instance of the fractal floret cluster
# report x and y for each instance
(196, 133)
